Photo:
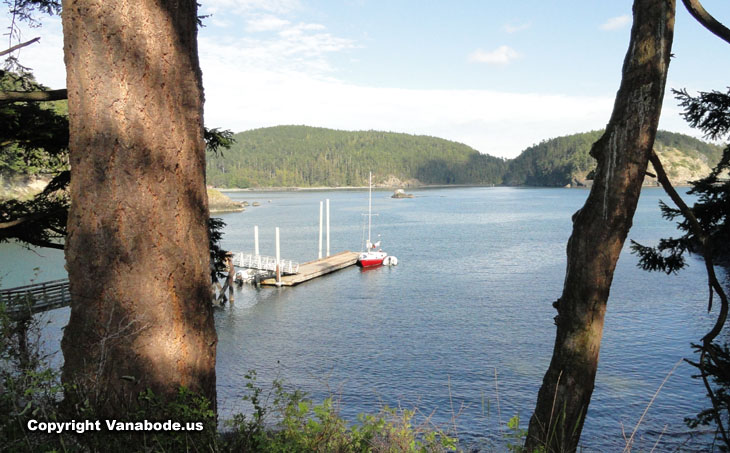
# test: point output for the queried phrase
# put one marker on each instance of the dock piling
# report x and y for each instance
(231, 274)
(328, 227)
(278, 259)
(319, 255)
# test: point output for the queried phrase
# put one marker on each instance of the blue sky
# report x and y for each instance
(498, 76)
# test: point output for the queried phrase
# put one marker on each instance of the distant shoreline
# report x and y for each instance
(435, 186)
(314, 189)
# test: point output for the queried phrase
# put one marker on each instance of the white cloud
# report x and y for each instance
(301, 29)
(616, 23)
(288, 79)
(496, 123)
(246, 6)
(301, 48)
(512, 28)
(502, 55)
(265, 22)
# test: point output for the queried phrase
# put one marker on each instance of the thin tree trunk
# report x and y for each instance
(600, 229)
(137, 246)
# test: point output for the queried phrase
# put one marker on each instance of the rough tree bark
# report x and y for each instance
(600, 229)
(137, 246)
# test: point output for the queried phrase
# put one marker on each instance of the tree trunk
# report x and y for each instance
(137, 246)
(600, 229)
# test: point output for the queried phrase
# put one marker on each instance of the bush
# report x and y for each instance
(288, 421)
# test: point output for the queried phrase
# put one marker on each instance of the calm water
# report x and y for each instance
(471, 297)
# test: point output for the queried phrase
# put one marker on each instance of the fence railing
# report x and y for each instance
(26, 300)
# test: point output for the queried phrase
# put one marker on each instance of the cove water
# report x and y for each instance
(462, 329)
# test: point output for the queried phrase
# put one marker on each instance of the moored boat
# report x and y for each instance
(372, 255)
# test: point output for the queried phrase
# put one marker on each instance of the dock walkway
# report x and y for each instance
(316, 268)
(27, 300)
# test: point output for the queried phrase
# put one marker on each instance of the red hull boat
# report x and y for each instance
(371, 257)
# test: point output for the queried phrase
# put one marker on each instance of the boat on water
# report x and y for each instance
(373, 255)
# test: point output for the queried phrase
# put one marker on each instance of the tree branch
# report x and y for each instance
(18, 46)
(33, 96)
(47, 244)
(12, 223)
(697, 11)
(29, 217)
(669, 189)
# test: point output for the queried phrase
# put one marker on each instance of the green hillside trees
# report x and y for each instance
(305, 156)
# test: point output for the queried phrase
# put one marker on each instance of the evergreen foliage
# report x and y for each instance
(34, 139)
(560, 161)
(719, 372)
(305, 156)
(709, 112)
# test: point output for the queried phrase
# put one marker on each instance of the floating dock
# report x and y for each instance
(316, 268)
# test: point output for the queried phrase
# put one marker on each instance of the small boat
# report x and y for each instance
(373, 255)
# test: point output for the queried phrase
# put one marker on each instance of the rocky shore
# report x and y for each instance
(218, 202)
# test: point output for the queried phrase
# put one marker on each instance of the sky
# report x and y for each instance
(498, 76)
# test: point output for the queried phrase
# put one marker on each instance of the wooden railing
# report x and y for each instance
(24, 301)
(264, 263)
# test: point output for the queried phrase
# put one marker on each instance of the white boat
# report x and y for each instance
(373, 254)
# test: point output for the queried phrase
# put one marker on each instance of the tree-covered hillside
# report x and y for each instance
(303, 156)
(553, 162)
(566, 160)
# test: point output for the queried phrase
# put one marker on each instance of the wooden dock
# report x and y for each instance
(316, 268)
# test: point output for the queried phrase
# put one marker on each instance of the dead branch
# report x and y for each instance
(30, 217)
(33, 96)
(19, 46)
(697, 11)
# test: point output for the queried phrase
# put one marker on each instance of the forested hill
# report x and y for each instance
(566, 160)
(302, 156)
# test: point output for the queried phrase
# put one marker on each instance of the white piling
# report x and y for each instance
(256, 240)
(278, 259)
(319, 256)
(328, 227)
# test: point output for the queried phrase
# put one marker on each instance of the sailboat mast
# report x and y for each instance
(370, 204)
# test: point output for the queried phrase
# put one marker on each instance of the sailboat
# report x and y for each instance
(373, 255)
